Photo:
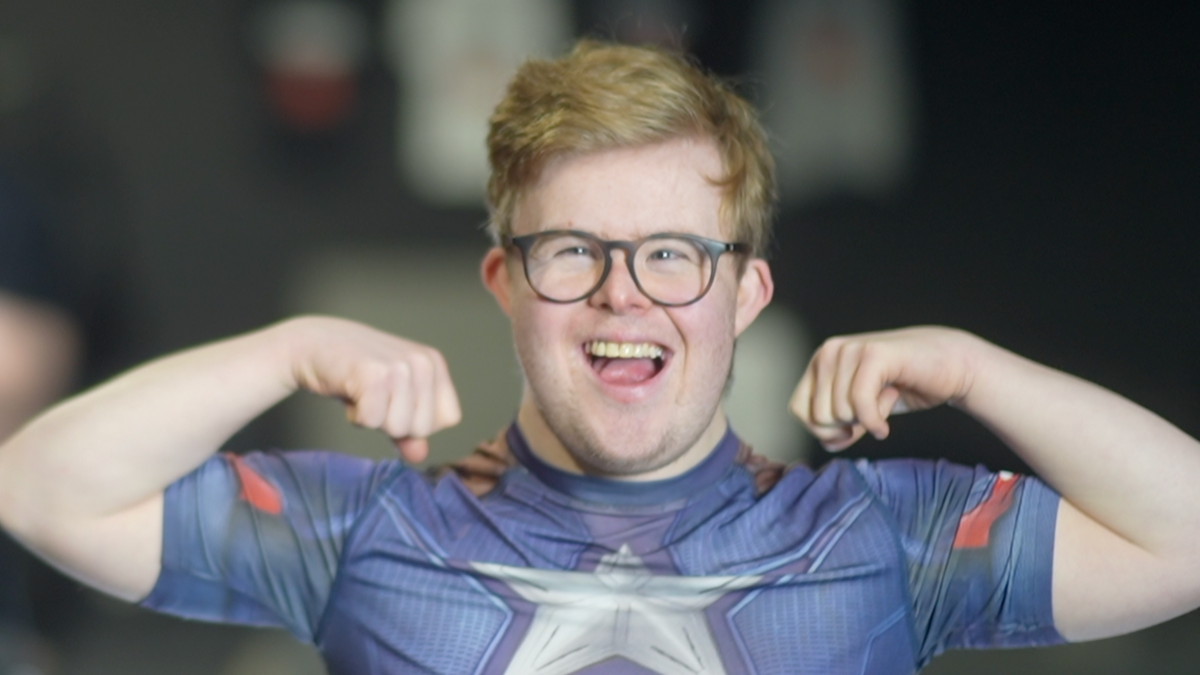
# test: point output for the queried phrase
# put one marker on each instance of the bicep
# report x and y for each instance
(1104, 585)
(119, 554)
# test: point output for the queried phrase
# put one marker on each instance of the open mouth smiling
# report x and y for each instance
(625, 363)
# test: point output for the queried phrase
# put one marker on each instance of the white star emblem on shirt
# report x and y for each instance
(620, 609)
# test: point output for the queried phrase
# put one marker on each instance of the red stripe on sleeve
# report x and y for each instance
(975, 526)
(255, 489)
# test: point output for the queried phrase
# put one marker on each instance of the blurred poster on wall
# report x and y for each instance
(310, 53)
(452, 59)
(837, 96)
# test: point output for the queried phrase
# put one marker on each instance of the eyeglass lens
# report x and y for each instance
(669, 270)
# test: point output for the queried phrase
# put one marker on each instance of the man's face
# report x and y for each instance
(627, 416)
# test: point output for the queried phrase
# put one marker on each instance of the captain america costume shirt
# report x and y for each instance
(736, 566)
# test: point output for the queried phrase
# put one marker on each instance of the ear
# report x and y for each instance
(494, 272)
(755, 289)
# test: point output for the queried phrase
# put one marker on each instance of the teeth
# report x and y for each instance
(624, 350)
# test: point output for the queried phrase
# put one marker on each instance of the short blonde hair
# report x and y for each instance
(603, 96)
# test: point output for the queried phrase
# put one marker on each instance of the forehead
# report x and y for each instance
(627, 193)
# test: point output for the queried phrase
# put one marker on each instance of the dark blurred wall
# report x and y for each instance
(217, 201)
(1053, 205)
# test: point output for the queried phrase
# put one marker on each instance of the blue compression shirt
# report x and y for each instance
(732, 567)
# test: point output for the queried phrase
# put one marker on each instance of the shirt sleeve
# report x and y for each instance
(980, 551)
(256, 539)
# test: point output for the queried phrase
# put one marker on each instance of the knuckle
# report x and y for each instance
(871, 351)
(425, 366)
(797, 404)
(375, 372)
(829, 349)
(445, 417)
(441, 369)
(416, 356)
(833, 343)
(436, 358)
(399, 373)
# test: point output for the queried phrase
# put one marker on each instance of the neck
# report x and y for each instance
(544, 443)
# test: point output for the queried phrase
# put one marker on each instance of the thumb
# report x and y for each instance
(413, 450)
(886, 406)
(888, 400)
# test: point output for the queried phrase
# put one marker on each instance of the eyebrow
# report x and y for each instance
(636, 237)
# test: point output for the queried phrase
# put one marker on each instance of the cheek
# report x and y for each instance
(717, 312)
(526, 330)
(709, 330)
(537, 331)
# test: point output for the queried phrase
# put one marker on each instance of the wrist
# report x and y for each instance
(985, 366)
(288, 346)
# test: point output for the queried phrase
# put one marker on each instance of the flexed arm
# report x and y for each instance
(1127, 543)
(82, 485)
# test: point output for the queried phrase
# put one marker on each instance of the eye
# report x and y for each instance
(563, 248)
(665, 254)
(576, 250)
(666, 251)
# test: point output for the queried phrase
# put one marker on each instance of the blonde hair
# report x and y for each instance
(604, 96)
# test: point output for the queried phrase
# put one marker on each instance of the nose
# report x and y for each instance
(619, 292)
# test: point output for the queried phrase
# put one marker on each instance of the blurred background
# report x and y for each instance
(1026, 171)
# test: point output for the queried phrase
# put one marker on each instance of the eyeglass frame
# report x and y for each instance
(712, 247)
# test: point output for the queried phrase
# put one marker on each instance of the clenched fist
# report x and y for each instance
(853, 383)
(400, 387)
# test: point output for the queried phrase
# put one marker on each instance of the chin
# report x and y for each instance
(628, 450)
(608, 462)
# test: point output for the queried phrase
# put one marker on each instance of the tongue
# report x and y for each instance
(625, 371)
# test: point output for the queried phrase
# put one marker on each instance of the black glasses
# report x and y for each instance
(670, 269)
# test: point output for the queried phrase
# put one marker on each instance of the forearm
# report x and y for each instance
(1120, 464)
(113, 448)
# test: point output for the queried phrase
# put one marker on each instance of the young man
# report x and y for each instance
(619, 525)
